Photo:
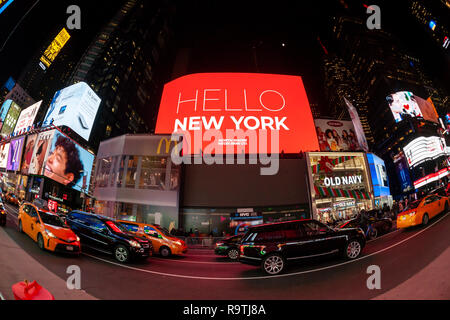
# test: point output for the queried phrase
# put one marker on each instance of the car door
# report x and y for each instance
(156, 238)
(34, 223)
(79, 224)
(26, 219)
(321, 238)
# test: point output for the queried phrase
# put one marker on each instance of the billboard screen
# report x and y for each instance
(423, 149)
(360, 135)
(75, 107)
(4, 150)
(55, 47)
(336, 135)
(40, 152)
(4, 111)
(238, 112)
(379, 176)
(27, 117)
(68, 163)
(402, 170)
(15, 154)
(11, 119)
(405, 103)
(28, 153)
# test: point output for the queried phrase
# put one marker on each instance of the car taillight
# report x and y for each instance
(218, 244)
(241, 249)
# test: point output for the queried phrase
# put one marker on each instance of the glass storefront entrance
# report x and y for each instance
(340, 185)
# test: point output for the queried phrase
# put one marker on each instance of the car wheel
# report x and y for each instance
(121, 254)
(374, 234)
(40, 242)
(20, 226)
(233, 254)
(353, 249)
(273, 264)
(425, 219)
(165, 252)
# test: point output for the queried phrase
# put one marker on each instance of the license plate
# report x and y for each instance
(69, 248)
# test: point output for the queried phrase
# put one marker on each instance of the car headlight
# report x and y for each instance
(177, 243)
(134, 243)
(78, 239)
(51, 235)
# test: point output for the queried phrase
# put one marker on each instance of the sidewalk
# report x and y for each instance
(425, 285)
(16, 265)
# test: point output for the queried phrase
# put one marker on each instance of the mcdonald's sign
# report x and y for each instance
(168, 143)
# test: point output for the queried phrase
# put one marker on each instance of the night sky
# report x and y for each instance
(232, 36)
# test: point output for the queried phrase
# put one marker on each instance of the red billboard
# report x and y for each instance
(224, 109)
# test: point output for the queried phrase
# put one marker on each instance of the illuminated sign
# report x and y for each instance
(405, 104)
(27, 117)
(336, 135)
(432, 25)
(167, 142)
(431, 178)
(345, 180)
(4, 151)
(75, 107)
(11, 119)
(4, 4)
(238, 113)
(446, 42)
(424, 148)
(55, 47)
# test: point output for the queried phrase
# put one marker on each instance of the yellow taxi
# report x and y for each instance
(421, 211)
(163, 242)
(47, 229)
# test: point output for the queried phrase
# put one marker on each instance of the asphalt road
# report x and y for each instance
(201, 275)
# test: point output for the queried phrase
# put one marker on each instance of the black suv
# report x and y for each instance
(274, 245)
(106, 235)
(229, 247)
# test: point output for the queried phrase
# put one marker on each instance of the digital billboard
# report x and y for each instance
(10, 120)
(55, 47)
(405, 103)
(27, 117)
(4, 111)
(379, 176)
(68, 163)
(28, 153)
(238, 113)
(402, 170)
(4, 149)
(75, 107)
(360, 135)
(336, 135)
(15, 154)
(423, 149)
(40, 152)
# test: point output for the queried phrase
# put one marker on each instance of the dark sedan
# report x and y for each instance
(380, 226)
(229, 247)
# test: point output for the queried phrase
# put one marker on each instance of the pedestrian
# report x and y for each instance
(400, 206)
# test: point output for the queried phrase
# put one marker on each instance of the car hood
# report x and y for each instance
(63, 233)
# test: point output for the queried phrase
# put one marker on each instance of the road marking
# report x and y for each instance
(269, 277)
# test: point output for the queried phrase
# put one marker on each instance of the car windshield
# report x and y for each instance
(164, 231)
(52, 219)
(117, 227)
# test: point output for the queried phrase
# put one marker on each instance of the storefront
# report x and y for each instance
(231, 221)
(135, 180)
(340, 185)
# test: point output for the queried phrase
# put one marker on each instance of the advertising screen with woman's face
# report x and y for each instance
(334, 135)
(68, 163)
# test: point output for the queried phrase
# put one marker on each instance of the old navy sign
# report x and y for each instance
(345, 180)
